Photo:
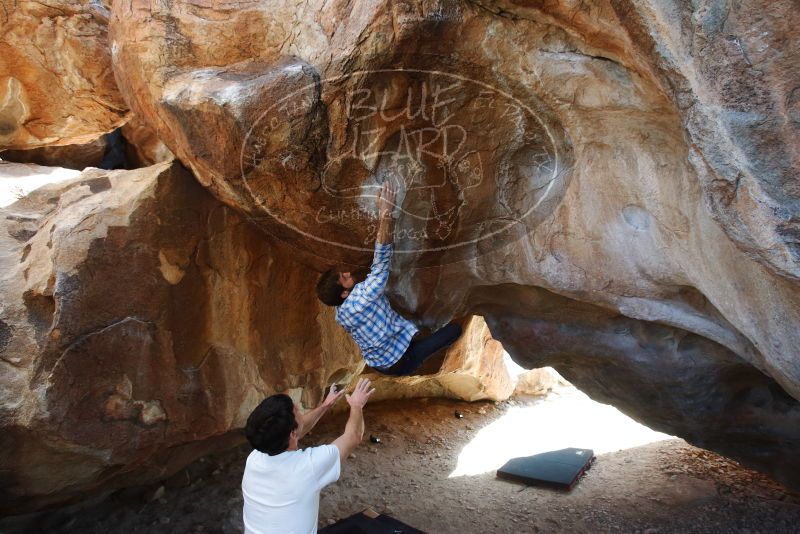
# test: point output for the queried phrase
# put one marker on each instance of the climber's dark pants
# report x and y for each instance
(421, 349)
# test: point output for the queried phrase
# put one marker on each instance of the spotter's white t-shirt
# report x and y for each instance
(281, 492)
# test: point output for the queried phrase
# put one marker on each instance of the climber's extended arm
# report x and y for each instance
(372, 287)
(385, 207)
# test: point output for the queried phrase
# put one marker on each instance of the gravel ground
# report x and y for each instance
(662, 487)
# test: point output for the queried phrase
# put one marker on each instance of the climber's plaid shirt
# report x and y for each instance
(379, 331)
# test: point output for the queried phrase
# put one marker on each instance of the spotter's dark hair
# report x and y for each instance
(270, 424)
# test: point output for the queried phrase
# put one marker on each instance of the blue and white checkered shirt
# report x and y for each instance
(366, 314)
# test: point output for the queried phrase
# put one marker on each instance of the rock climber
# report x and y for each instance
(389, 343)
(282, 483)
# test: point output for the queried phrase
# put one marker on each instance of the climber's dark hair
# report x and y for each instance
(329, 290)
(270, 424)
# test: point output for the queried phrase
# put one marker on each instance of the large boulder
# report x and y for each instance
(611, 183)
(141, 321)
(56, 82)
(76, 157)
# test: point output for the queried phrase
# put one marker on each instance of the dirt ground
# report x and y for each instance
(662, 487)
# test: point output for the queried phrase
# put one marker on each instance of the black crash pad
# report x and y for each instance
(560, 469)
(369, 522)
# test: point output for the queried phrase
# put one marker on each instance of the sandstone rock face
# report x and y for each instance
(141, 321)
(137, 144)
(67, 156)
(16, 181)
(537, 382)
(473, 369)
(612, 184)
(56, 82)
(143, 147)
(734, 75)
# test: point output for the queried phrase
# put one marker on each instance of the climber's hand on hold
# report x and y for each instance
(386, 199)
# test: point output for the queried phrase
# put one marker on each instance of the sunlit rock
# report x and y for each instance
(537, 382)
(76, 157)
(56, 82)
(473, 368)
